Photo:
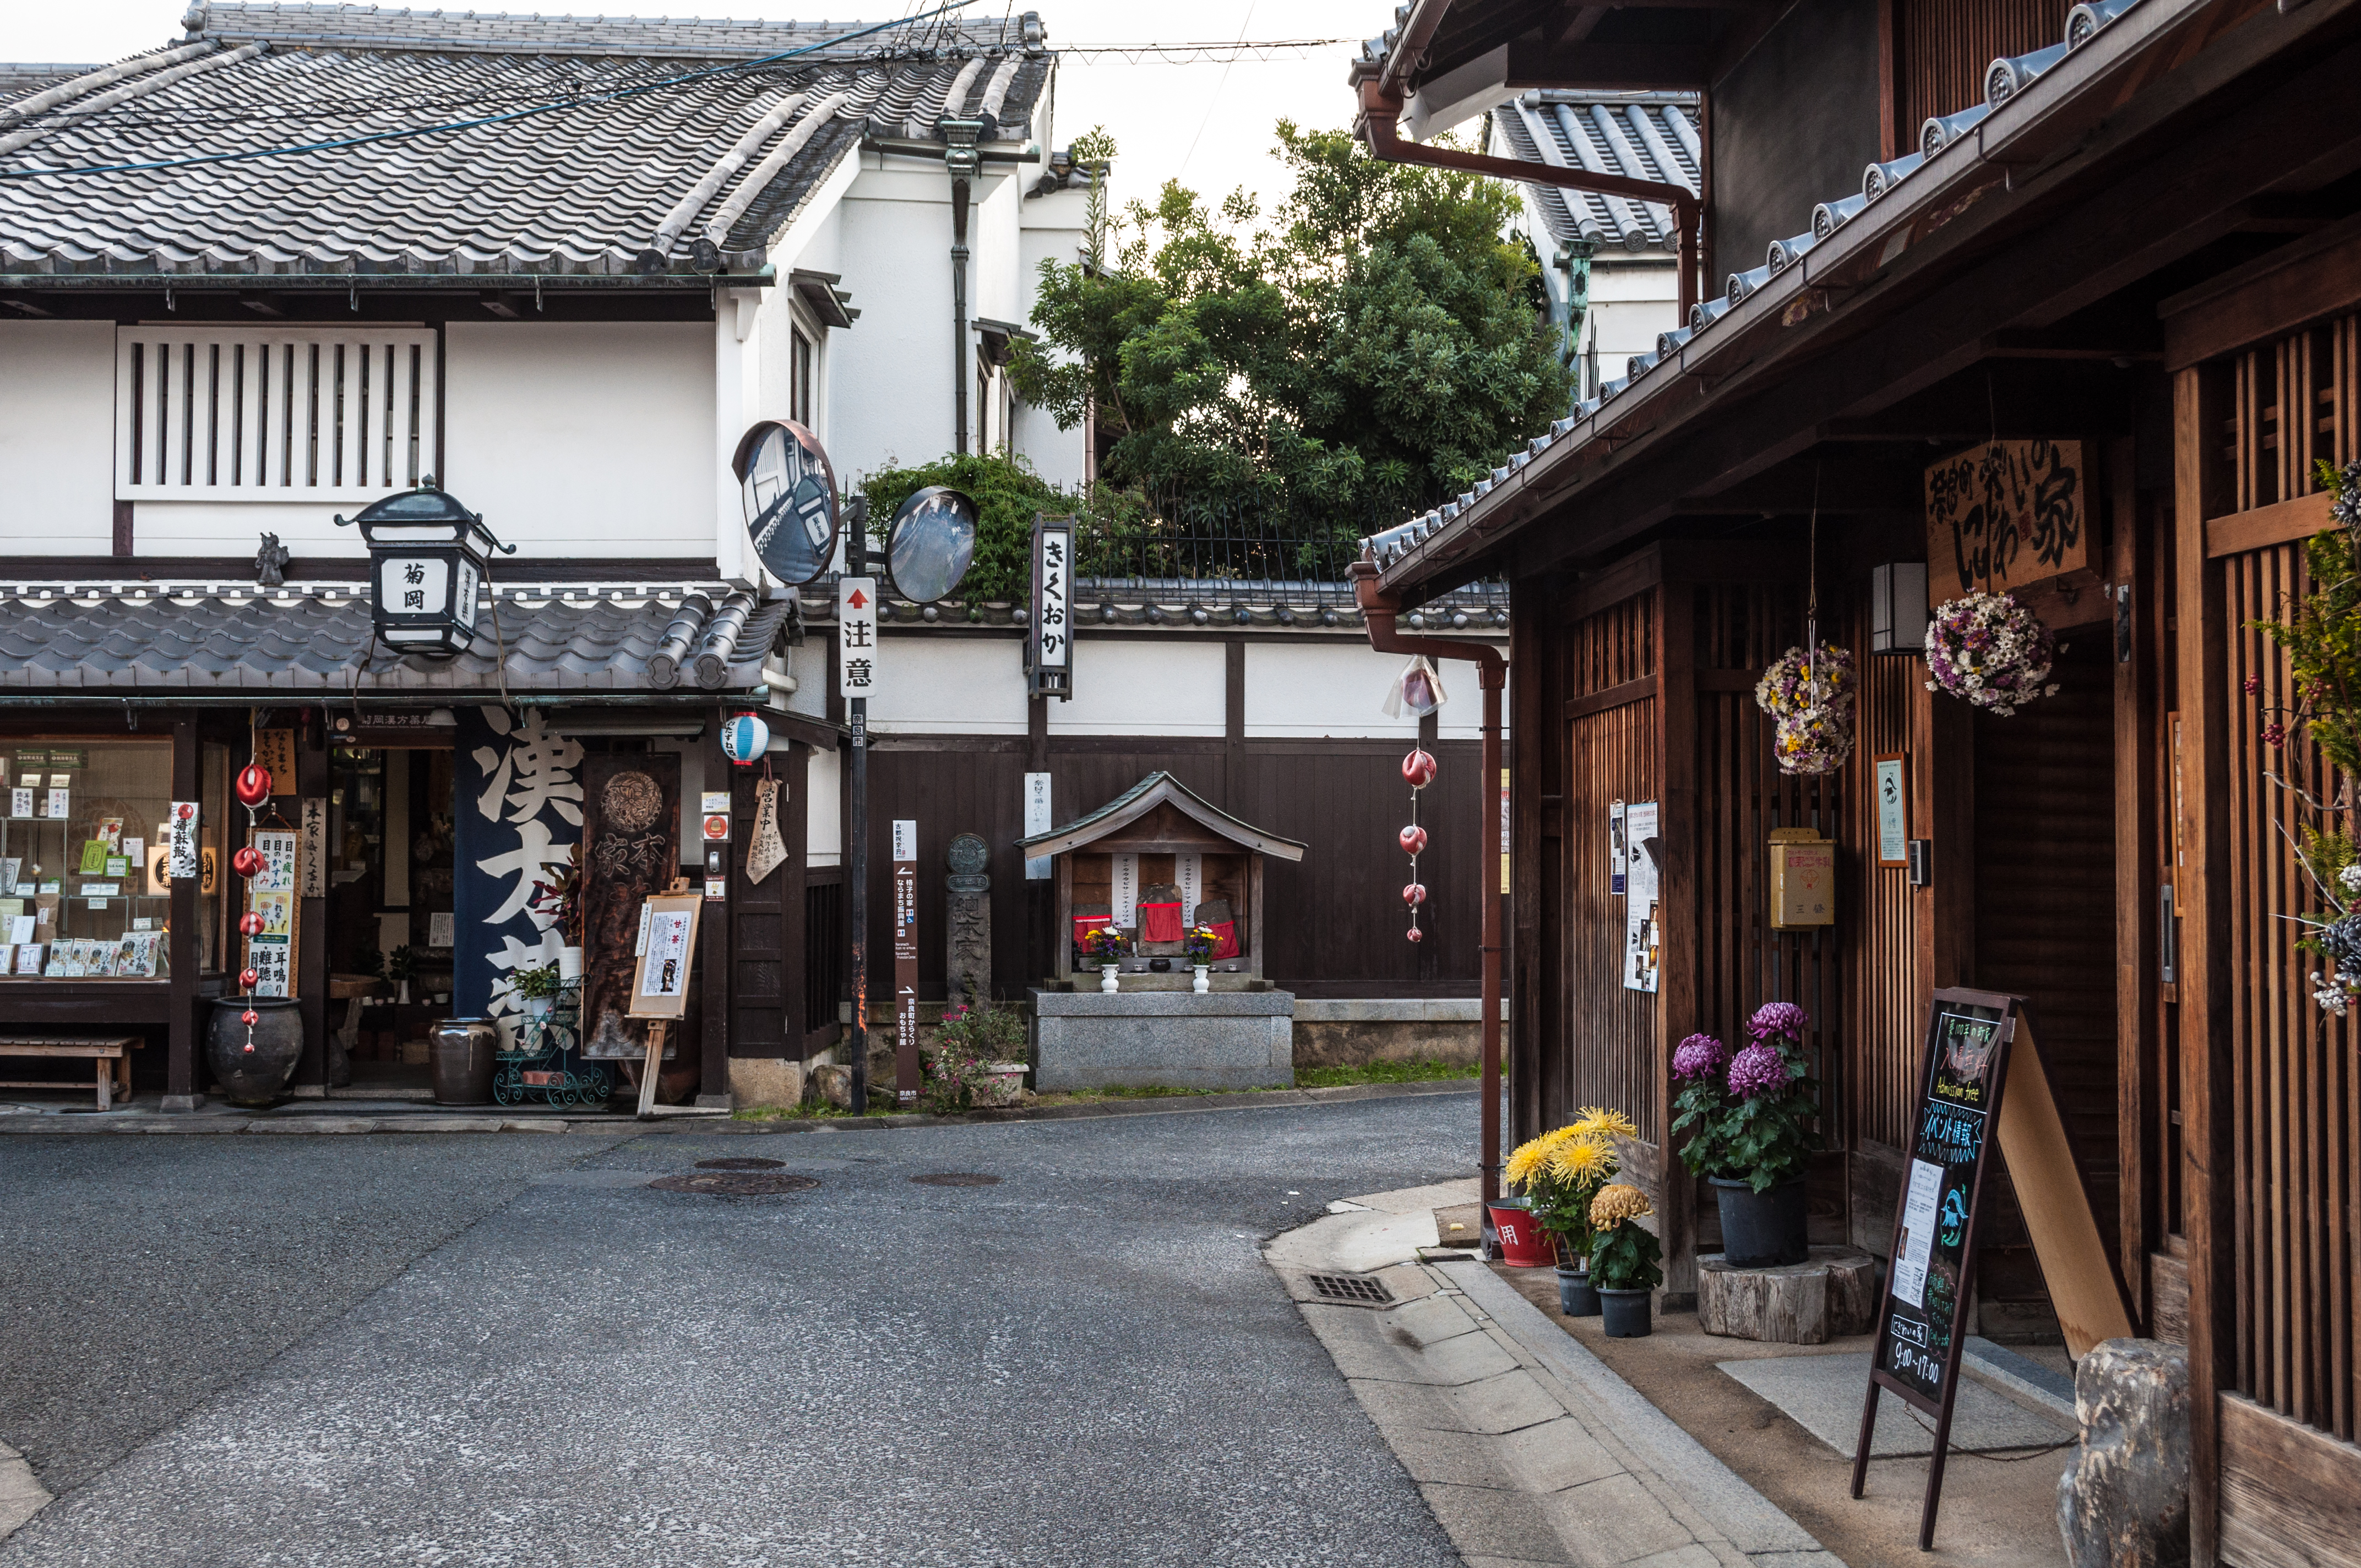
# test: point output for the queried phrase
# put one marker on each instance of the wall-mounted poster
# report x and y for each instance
(1642, 944)
(1615, 848)
(181, 840)
(667, 949)
(270, 893)
(1893, 812)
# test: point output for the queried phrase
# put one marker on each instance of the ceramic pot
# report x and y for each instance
(1761, 1230)
(1107, 982)
(1626, 1312)
(1005, 1086)
(537, 1006)
(460, 1051)
(569, 964)
(259, 1075)
(1575, 1299)
(1202, 981)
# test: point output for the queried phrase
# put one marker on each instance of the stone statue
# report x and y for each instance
(271, 562)
(967, 926)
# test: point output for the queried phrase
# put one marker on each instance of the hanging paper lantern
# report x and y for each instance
(1414, 895)
(248, 979)
(249, 1018)
(250, 923)
(247, 861)
(252, 786)
(1419, 768)
(744, 738)
(1413, 840)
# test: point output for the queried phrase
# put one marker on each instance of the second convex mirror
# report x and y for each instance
(931, 544)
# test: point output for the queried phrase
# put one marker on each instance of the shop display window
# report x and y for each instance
(82, 891)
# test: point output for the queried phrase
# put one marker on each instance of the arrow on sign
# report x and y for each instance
(856, 601)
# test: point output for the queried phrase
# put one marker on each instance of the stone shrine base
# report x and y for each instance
(1163, 1040)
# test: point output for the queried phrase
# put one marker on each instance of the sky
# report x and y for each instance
(1207, 124)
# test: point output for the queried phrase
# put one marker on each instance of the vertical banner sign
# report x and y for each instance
(518, 802)
(1049, 630)
(1037, 821)
(1641, 946)
(271, 894)
(1893, 813)
(905, 961)
(1127, 889)
(856, 633)
(1616, 848)
(1504, 830)
(313, 860)
(1189, 871)
(180, 840)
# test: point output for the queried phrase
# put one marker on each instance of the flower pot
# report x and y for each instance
(1201, 982)
(536, 1006)
(259, 1075)
(1523, 1242)
(1005, 1086)
(460, 1052)
(1761, 1229)
(569, 964)
(1107, 982)
(1576, 1297)
(1626, 1312)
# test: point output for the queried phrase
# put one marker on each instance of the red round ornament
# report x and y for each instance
(247, 861)
(1416, 935)
(1414, 895)
(252, 786)
(1413, 840)
(248, 979)
(249, 1017)
(1419, 768)
(250, 923)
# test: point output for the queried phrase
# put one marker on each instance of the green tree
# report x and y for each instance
(1371, 349)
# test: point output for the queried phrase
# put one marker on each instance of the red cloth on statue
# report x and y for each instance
(1160, 922)
(1227, 946)
(1086, 924)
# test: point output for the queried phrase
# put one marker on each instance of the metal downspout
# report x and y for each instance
(960, 157)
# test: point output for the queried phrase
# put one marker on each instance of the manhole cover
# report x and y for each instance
(734, 1183)
(1351, 1287)
(957, 1178)
(743, 1162)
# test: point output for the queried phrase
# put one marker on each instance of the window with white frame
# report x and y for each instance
(799, 380)
(274, 413)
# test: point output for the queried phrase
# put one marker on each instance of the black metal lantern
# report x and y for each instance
(426, 561)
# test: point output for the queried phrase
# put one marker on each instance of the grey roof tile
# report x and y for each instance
(1641, 135)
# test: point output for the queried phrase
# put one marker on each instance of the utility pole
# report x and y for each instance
(856, 871)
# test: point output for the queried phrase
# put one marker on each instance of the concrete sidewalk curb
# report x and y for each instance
(146, 1122)
(21, 1496)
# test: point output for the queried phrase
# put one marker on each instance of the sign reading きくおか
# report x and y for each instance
(518, 803)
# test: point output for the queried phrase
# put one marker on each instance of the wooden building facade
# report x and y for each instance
(2144, 253)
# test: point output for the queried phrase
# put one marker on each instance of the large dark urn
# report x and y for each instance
(259, 1075)
(1761, 1230)
(460, 1053)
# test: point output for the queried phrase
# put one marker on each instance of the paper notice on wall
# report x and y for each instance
(1918, 1213)
(181, 840)
(666, 971)
(268, 957)
(1643, 939)
(1189, 871)
(1126, 890)
(1036, 822)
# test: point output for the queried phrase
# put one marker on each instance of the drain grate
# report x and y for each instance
(957, 1178)
(1357, 1288)
(742, 1162)
(734, 1183)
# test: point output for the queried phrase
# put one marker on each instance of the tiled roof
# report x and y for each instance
(1641, 135)
(592, 188)
(1159, 788)
(22, 79)
(181, 640)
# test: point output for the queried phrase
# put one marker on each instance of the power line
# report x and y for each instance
(586, 101)
(1201, 53)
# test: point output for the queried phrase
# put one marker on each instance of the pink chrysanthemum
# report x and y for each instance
(1775, 1019)
(1699, 1056)
(1755, 1070)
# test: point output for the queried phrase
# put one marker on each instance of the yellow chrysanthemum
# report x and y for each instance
(1618, 1201)
(1599, 1120)
(1526, 1159)
(1579, 1159)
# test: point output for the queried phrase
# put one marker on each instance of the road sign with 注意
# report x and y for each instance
(856, 632)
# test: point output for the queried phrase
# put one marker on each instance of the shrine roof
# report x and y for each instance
(1156, 789)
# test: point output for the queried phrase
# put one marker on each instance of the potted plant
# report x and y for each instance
(1559, 1174)
(1751, 1118)
(1104, 947)
(968, 1065)
(538, 987)
(1624, 1255)
(1198, 944)
(399, 965)
(560, 899)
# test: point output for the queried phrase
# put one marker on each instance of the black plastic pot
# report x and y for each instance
(1761, 1230)
(459, 1051)
(1626, 1312)
(1575, 1299)
(259, 1075)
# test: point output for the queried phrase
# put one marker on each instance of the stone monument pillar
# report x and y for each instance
(967, 926)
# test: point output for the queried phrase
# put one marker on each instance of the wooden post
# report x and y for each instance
(714, 936)
(310, 956)
(180, 1041)
(1676, 901)
(1530, 739)
(1234, 731)
(2140, 1209)
(2208, 1174)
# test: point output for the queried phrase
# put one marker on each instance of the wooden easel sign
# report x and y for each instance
(660, 973)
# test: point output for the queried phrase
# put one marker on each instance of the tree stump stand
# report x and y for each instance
(1832, 1293)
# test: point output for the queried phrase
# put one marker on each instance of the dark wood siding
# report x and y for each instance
(1941, 48)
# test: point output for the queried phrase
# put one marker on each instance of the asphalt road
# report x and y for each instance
(508, 1350)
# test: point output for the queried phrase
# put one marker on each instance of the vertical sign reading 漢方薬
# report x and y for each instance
(905, 961)
(1050, 625)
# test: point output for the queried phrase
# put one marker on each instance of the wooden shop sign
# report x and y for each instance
(2006, 515)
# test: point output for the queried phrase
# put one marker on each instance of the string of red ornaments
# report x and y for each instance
(252, 788)
(1418, 768)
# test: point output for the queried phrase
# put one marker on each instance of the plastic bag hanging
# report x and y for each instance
(1417, 691)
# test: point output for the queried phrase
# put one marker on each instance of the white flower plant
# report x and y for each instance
(1990, 651)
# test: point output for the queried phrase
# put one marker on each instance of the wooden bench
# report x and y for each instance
(112, 1058)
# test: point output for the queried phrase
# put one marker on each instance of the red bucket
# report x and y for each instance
(1523, 1242)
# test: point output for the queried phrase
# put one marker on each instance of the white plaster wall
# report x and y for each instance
(824, 828)
(57, 439)
(1140, 687)
(1629, 306)
(584, 439)
(1051, 230)
(810, 666)
(938, 683)
(1335, 687)
(890, 397)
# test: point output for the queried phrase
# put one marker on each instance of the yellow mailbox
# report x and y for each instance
(1802, 880)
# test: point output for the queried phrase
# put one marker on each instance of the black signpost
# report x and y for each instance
(1932, 1273)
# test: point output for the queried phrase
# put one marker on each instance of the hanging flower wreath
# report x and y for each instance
(1809, 700)
(1991, 651)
